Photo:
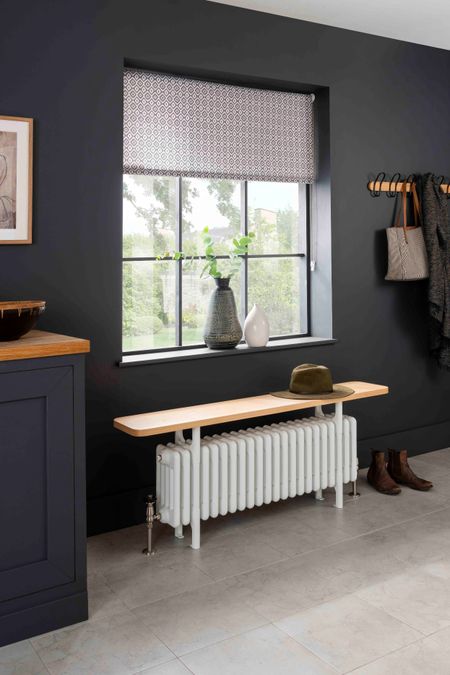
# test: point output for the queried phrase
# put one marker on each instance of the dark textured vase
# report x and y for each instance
(222, 329)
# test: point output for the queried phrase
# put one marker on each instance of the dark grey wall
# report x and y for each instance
(61, 63)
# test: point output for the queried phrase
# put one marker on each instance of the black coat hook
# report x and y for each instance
(442, 181)
(412, 178)
(394, 180)
(379, 179)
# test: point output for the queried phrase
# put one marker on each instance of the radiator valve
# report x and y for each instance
(150, 518)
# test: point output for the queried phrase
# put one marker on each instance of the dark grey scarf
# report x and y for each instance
(436, 232)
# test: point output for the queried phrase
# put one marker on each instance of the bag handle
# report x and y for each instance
(404, 211)
(417, 213)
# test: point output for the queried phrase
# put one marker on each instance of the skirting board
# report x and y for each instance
(417, 441)
(43, 618)
(113, 512)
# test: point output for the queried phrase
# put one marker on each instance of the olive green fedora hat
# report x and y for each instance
(313, 382)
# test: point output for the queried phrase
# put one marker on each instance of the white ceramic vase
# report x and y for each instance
(256, 328)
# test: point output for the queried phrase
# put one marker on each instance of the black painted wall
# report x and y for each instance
(61, 63)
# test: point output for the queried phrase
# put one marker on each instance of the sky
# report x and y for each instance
(270, 196)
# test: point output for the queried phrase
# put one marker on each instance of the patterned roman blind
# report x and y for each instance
(185, 127)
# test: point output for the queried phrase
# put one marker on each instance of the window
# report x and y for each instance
(232, 158)
(165, 302)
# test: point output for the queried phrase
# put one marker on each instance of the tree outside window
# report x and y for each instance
(165, 302)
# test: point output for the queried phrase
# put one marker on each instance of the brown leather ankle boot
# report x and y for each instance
(378, 477)
(402, 473)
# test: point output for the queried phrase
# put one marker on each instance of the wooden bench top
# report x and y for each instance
(176, 419)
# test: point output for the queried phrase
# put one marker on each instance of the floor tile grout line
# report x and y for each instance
(266, 623)
(205, 585)
(149, 669)
(284, 559)
(39, 657)
(420, 457)
(424, 635)
(176, 595)
(285, 556)
(212, 582)
(213, 644)
(272, 623)
(264, 619)
(231, 637)
(361, 665)
(308, 649)
(359, 536)
(146, 628)
(438, 630)
(419, 516)
(162, 642)
(394, 651)
(165, 597)
(340, 597)
(365, 534)
(130, 613)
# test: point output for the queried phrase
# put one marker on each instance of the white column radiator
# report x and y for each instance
(240, 470)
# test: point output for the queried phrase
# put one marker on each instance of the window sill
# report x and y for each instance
(205, 353)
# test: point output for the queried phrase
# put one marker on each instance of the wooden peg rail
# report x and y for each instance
(386, 186)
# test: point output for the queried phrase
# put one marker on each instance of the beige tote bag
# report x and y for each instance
(407, 255)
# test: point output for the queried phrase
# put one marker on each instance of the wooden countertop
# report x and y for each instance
(150, 424)
(38, 343)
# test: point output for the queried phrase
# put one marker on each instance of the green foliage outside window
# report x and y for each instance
(150, 230)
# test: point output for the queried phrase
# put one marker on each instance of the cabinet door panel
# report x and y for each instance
(36, 480)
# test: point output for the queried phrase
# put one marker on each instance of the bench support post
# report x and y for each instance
(179, 438)
(339, 486)
(195, 488)
(318, 493)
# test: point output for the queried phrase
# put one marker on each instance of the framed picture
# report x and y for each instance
(16, 179)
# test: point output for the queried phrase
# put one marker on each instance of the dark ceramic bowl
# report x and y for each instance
(17, 318)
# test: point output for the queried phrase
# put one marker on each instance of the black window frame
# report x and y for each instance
(305, 307)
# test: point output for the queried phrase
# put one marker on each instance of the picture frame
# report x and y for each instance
(16, 180)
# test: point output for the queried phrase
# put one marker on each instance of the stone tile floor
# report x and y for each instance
(296, 587)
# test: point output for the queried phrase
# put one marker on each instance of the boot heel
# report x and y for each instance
(400, 471)
(378, 476)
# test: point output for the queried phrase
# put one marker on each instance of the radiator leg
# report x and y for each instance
(339, 489)
(354, 493)
(318, 495)
(151, 516)
(179, 532)
(179, 437)
(195, 488)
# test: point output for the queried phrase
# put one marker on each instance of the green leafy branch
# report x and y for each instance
(238, 248)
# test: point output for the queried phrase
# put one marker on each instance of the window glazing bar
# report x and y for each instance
(179, 265)
(221, 257)
(304, 219)
(244, 266)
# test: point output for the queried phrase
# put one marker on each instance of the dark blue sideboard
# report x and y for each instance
(42, 485)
